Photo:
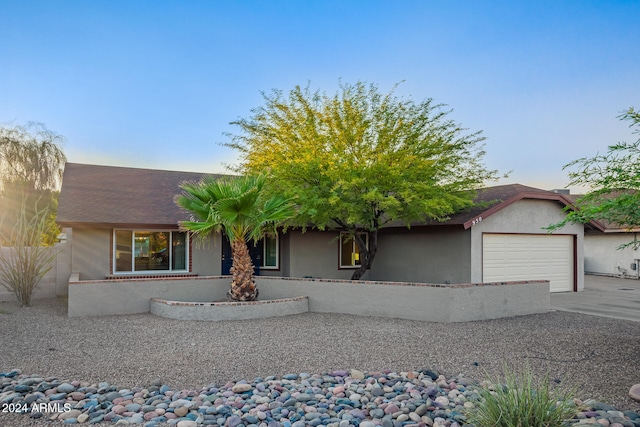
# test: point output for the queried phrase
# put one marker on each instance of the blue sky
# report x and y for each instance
(155, 84)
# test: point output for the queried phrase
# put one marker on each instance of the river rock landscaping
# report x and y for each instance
(189, 366)
(333, 399)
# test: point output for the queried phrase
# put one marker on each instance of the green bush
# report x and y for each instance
(522, 402)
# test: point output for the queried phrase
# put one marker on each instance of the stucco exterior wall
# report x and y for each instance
(206, 258)
(421, 254)
(63, 264)
(601, 255)
(91, 252)
(284, 266)
(525, 217)
(433, 255)
(316, 254)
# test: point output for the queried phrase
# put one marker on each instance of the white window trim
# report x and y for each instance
(187, 253)
(264, 254)
(354, 247)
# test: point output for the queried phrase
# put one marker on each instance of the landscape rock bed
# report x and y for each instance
(333, 399)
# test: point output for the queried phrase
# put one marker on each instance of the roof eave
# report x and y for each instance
(622, 230)
(520, 196)
(136, 226)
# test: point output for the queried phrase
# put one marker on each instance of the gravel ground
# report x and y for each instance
(600, 356)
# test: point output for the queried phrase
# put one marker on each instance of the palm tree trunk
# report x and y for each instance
(243, 287)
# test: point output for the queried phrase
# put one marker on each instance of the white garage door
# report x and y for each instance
(508, 257)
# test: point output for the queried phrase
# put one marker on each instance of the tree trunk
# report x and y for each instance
(243, 287)
(368, 254)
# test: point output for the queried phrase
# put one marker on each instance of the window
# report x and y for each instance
(349, 254)
(270, 246)
(150, 251)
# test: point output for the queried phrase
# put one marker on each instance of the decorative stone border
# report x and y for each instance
(227, 310)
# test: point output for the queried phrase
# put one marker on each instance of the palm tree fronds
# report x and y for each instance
(238, 207)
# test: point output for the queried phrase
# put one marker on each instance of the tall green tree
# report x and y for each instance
(360, 159)
(240, 208)
(613, 180)
(31, 167)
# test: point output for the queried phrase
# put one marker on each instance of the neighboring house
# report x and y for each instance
(124, 222)
(602, 255)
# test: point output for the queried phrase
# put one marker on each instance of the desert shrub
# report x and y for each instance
(522, 401)
(25, 262)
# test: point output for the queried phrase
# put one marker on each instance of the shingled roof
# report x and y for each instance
(604, 225)
(489, 201)
(492, 199)
(121, 197)
(131, 197)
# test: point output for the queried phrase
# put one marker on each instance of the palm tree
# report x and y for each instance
(238, 207)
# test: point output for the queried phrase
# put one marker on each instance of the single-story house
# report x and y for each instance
(602, 255)
(123, 222)
(602, 243)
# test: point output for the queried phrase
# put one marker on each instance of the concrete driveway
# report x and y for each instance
(602, 296)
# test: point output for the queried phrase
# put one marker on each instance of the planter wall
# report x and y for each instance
(414, 301)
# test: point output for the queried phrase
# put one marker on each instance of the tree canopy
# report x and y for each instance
(31, 154)
(31, 167)
(358, 160)
(613, 180)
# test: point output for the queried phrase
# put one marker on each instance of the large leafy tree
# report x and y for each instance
(240, 208)
(360, 159)
(31, 167)
(613, 180)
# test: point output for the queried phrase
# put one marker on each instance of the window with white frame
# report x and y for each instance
(150, 251)
(350, 255)
(270, 252)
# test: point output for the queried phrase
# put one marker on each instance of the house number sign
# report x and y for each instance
(476, 220)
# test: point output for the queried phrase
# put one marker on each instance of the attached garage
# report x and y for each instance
(508, 257)
(501, 239)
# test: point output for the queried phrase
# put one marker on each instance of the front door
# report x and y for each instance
(255, 251)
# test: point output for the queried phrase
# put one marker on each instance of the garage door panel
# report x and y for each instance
(508, 257)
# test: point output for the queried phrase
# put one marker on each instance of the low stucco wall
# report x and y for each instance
(414, 301)
(214, 311)
(131, 296)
